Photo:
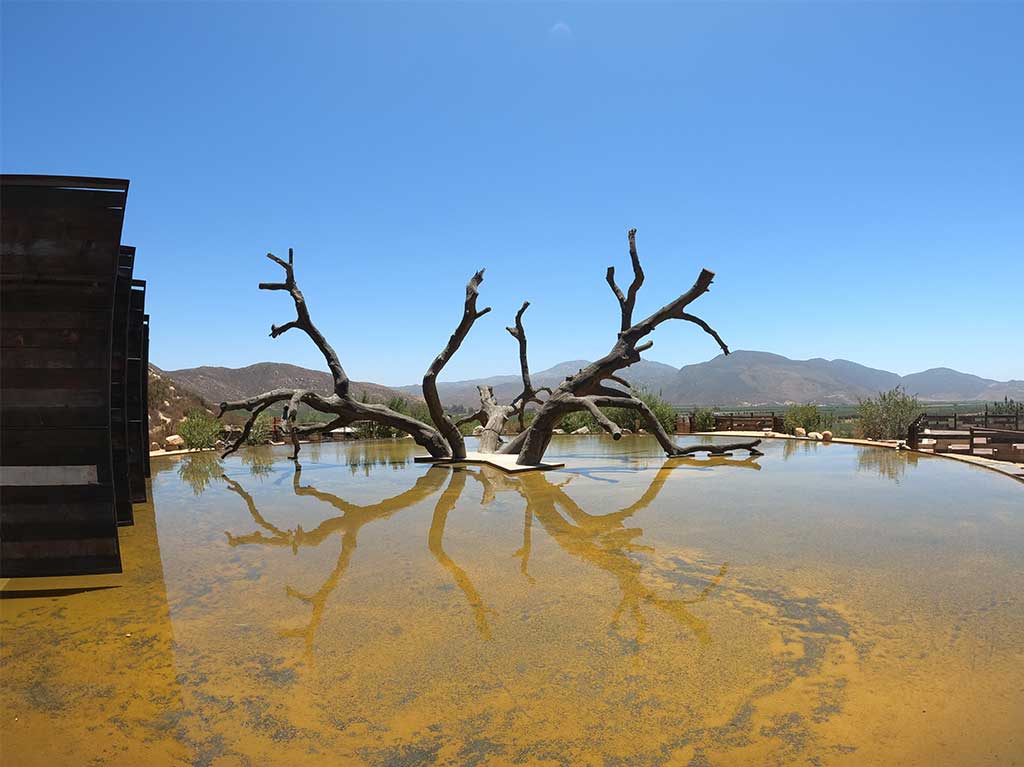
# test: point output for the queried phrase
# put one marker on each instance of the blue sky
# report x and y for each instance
(841, 167)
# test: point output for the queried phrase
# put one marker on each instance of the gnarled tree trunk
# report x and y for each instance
(340, 403)
(492, 415)
(588, 390)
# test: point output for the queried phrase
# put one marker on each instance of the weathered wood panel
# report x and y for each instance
(138, 419)
(59, 249)
(145, 390)
(119, 385)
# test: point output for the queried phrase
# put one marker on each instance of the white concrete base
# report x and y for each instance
(497, 460)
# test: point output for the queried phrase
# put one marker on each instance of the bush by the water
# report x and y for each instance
(704, 419)
(371, 430)
(888, 415)
(199, 429)
(808, 417)
(260, 432)
(627, 418)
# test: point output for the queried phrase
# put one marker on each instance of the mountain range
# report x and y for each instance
(217, 384)
(743, 378)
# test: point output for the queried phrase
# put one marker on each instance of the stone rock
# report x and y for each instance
(815, 435)
(627, 431)
(582, 430)
(827, 436)
(174, 442)
(219, 444)
(558, 431)
(154, 445)
(800, 431)
(641, 431)
(478, 430)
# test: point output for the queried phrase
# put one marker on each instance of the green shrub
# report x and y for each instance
(704, 419)
(199, 429)
(577, 420)
(663, 411)
(627, 418)
(807, 417)
(1006, 407)
(261, 430)
(465, 429)
(888, 415)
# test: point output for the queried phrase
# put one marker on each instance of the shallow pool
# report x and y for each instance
(819, 605)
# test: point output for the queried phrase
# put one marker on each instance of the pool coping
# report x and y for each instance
(1007, 469)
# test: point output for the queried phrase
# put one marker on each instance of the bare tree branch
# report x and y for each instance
(750, 447)
(707, 329)
(628, 301)
(443, 422)
(529, 394)
(531, 443)
(340, 404)
(246, 430)
(304, 322)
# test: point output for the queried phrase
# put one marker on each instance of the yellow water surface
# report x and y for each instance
(819, 605)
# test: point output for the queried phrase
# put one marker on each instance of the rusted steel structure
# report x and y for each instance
(73, 340)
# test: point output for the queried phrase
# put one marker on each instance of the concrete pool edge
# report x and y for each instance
(1011, 470)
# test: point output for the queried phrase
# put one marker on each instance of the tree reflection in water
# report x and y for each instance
(887, 462)
(601, 540)
(198, 470)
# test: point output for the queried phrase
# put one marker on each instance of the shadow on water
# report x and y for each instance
(601, 540)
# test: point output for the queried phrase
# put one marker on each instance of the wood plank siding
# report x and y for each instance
(71, 395)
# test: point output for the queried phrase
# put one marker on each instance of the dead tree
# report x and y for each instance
(588, 389)
(440, 442)
(444, 422)
(492, 415)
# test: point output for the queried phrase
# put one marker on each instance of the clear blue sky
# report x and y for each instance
(842, 167)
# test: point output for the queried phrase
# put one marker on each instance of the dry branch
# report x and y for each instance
(587, 390)
(340, 404)
(529, 394)
(444, 423)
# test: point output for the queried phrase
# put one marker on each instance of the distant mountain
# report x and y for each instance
(653, 375)
(743, 378)
(216, 384)
(755, 378)
(760, 378)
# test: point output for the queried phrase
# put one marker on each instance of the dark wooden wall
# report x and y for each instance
(138, 412)
(63, 375)
(119, 384)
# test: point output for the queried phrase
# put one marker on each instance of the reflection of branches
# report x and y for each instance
(445, 504)
(604, 540)
(348, 524)
(524, 552)
(599, 539)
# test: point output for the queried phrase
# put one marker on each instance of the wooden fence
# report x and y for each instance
(951, 434)
(686, 422)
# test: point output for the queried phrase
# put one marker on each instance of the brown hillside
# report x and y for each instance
(217, 384)
(169, 401)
